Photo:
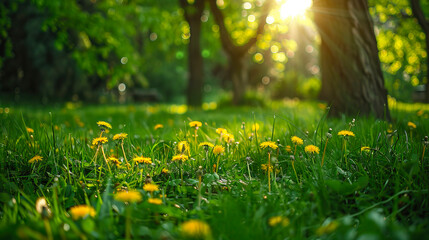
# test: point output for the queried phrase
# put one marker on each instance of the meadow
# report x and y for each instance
(285, 171)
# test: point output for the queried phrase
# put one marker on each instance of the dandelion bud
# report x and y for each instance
(200, 171)
(292, 158)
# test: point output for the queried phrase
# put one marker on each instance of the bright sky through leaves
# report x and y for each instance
(294, 8)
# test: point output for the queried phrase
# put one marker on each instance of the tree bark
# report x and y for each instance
(424, 24)
(193, 13)
(236, 53)
(352, 80)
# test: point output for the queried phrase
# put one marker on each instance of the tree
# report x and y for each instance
(424, 24)
(236, 53)
(193, 12)
(352, 80)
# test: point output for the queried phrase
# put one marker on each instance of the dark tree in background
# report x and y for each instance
(352, 80)
(424, 24)
(236, 54)
(193, 12)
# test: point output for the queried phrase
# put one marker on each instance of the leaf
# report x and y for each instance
(345, 188)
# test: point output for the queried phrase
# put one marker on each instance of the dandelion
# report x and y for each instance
(221, 132)
(365, 149)
(311, 149)
(183, 147)
(288, 149)
(218, 149)
(278, 220)
(296, 141)
(206, 145)
(43, 209)
(141, 159)
(255, 127)
(158, 126)
(165, 170)
(156, 201)
(412, 126)
(150, 187)
(99, 143)
(345, 134)
(114, 161)
(104, 125)
(269, 144)
(130, 196)
(180, 157)
(82, 211)
(121, 137)
(326, 229)
(29, 130)
(35, 159)
(195, 229)
(195, 124)
(228, 137)
(264, 167)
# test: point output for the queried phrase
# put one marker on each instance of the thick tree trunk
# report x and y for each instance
(352, 80)
(238, 75)
(424, 24)
(194, 93)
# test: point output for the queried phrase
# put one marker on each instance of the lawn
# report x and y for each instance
(281, 172)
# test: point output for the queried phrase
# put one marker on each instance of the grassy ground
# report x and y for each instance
(373, 185)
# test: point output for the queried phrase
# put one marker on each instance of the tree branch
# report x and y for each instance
(419, 15)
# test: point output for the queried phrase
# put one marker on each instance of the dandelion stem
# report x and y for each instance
(248, 169)
(181, 172)
(324, 150)
(105, 159)
(296, 175)
(294, 152)
(125, 157)
(48, 229)
(199, 191)
(423, 155)
(217, 163)
(269, 173)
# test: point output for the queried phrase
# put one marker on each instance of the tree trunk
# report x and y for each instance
(238, 75)
(424, 24)
(352, 80)
(193, 13)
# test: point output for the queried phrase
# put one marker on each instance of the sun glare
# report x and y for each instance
(294, 8)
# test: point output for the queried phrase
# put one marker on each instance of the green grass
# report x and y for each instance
(379, 193)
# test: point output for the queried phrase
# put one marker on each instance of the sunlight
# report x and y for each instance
(294, 8)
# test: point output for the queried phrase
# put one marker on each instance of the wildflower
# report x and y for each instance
(218, 149)
(158, 126)
(288, 149)
(183, 146)
(42, 208)
(35, 159)
(104, 125)
(276, 220)
(264, 167)
(255, 127)
(195, 124)
(99, 141)
(156, 201)
(206, 144)
(165, 171)
(228, 137)
(326, 229)
(269, 144)
(196, 229)
(130, 196)
(146, 160)
(29, 130)
(364, 149)
(420, 113)
(311, 149)
(346, 133)
(81, 211)
(411, 125)
(150, 187)
(179, 157)
(120, 136)
(221, 131)
(296, 140)
(114, 160)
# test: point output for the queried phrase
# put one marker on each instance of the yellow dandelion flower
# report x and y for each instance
(180, 157)
(35, 159)
(365, 149)
(269, 144)
(326, 229)
(141, 159)
(29, 130)
(195, 124)
(120, 136)
(221, 131)
(346, 133)
(158, 126)
(99, 140)
(104, 125)
(411, 125)
(114, 160)
(156, 201)
(206, 144)
(288, 149)
(277, 220)
(82, 211)
(228, 137)
(311, 149)
(183, 146)
(130, 196)
(420, 113)
(165, 171)
(255, 127)
(296, 140)
(264, 167)
(218, 149)
(150, 187)
(196, 229)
